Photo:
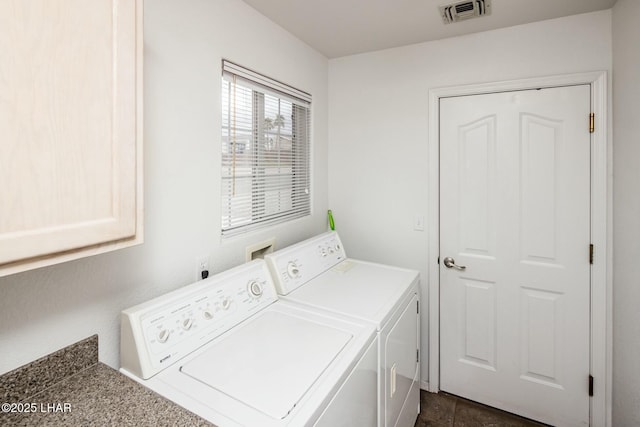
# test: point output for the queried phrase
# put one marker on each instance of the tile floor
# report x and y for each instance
(445, 410)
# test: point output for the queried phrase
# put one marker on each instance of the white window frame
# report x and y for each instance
(263, 183)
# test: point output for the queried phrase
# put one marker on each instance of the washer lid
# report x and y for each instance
(270, 362)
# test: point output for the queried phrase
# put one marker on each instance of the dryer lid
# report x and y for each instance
(366, 290)
(270, 362)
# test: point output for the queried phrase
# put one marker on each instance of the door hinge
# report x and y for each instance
(590, 385)
(417, 355)
(418, 307)
(438, 260)
(592, 122)
(591, 254)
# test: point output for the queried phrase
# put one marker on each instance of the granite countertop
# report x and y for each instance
(66, 388)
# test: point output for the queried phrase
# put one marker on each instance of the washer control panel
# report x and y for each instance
(160, 332)
(295, 265)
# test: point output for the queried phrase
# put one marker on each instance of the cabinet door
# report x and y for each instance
(69, 117)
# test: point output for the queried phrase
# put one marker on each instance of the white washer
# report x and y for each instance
(316, 273)
(226, 349)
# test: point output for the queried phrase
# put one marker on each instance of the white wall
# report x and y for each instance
(46, 309)
(378, 129)
(626, 209)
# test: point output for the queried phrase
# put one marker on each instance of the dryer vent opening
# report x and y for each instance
(463, 10)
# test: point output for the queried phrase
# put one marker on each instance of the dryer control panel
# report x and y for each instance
(160, 332)
(295, 265)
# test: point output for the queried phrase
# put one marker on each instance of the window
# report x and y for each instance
(265, 151)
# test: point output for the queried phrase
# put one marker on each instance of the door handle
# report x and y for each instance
(451, 263)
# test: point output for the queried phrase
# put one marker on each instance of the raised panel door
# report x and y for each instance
(69, 120)
(515, 203)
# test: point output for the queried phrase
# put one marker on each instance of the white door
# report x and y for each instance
(514, 210)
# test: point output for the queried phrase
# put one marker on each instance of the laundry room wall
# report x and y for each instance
(626, 211)
(378, 125)
(46, 309)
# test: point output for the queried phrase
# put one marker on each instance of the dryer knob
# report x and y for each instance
(292, 270)
(207, 314)
(226, 303)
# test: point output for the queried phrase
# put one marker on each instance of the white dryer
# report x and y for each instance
(226, 349)
(316, 273)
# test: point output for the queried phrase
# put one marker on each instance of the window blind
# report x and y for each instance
(265, 151)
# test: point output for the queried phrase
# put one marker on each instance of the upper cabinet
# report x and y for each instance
(70, 129)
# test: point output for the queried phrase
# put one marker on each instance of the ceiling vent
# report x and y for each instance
(465, 10)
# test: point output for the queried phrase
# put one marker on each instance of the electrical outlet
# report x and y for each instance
(202, 265)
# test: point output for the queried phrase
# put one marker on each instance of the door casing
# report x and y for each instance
(601, 205)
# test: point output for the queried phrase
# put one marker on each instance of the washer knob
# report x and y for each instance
(207, 314)
(163, 335)
(255, 289)
(187, 323)
(226, 303)
(292, 270)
